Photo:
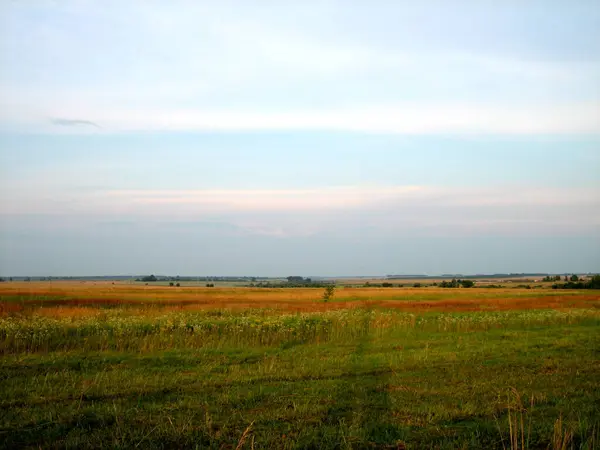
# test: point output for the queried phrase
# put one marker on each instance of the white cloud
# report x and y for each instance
(401, 119)
(344, 211)
(202, 66)
(30, 197)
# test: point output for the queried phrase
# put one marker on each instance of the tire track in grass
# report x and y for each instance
(362, 405)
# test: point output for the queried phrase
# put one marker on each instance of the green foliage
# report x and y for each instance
(149, 278)
(329, 292)
(457, 283)
(550, 278)
(298, 281)
(592, 283)
(354, 378)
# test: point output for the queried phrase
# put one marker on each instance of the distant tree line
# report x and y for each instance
(575, 283)
(457, 283)
(385, 284)
(293, 282)
(152, 278)
(551, 278)
(558, 278)
(148, 279)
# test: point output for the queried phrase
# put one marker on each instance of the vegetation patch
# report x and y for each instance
(146, 374)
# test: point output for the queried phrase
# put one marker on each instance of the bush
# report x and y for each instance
(592, 283)
(329, 292)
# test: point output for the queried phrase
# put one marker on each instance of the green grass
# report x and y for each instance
(346, 379)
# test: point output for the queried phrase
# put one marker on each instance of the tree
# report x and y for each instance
(171, 283)
(329, 293)
(150, 278)
(574, 278)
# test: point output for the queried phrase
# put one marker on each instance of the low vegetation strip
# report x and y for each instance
(16, 297)
(93, 375)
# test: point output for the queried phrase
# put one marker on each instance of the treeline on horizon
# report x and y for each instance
(481, 275)
(574, 282)
(570, 281)
(152, 278)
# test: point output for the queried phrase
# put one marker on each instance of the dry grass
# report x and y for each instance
(75, 298)
(97, 365)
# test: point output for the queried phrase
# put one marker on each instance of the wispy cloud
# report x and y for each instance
(394, 119)
(234, 67)
(347, 211)
(334, 198)
(73, 122)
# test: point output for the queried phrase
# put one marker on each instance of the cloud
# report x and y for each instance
(73, 122)
(407, 118)
(332, 198)
(350, 212)
(232, 67)
(31, 198)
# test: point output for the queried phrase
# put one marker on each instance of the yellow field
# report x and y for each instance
(79, 296)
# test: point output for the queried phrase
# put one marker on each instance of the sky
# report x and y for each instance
(278, 138)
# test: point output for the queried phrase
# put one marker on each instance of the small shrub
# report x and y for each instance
(329, 293)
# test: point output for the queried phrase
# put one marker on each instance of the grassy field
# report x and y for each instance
(89, 365)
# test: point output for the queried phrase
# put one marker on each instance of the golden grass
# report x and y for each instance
(75, 298)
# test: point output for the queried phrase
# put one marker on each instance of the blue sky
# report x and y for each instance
(311, 138)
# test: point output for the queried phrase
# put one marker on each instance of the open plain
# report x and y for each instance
(97, 364)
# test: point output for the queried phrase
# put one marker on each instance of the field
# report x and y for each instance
(89, 365)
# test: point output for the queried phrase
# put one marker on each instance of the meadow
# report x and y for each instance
(92, 365)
